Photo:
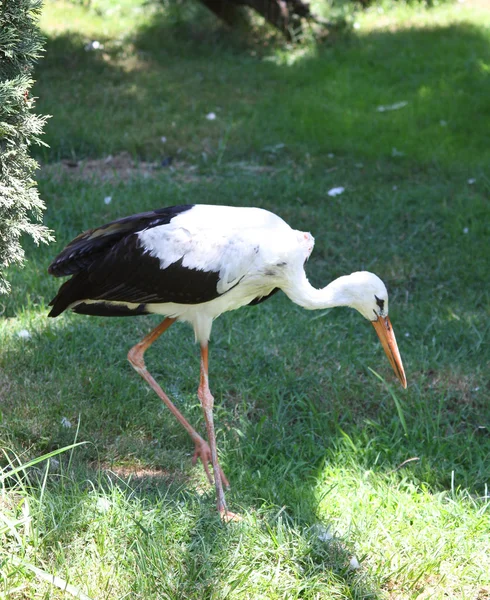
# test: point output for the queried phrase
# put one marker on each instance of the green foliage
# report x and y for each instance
(20, 205)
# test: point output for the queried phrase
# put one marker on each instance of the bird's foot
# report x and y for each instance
(203, 453)
(227, 516)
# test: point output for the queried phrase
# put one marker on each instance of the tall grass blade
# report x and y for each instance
(54, 580)
(396, 400)
(37, 460)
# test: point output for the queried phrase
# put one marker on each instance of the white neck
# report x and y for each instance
(334, 294)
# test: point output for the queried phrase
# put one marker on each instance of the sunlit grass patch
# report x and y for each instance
(424, 537)
(175, 546)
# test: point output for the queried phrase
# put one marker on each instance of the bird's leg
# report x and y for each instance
(136, 358)
(207, 402)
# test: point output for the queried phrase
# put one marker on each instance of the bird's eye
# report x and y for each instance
(379, 302)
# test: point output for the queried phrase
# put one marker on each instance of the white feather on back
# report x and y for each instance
(233, 242)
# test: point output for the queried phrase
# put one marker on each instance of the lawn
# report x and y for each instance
(349, 486)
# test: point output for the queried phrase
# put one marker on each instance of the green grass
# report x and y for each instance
(326, 461)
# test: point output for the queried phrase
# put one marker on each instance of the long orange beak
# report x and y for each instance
(388, 341)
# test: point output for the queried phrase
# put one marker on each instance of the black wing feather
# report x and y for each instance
(90, 245)
(260, 299)
(119, 269)
(127, 273)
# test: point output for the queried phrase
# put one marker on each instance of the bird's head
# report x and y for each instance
(366, 293)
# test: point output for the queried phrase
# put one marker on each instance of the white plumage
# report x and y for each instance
(192, 263)
(252, 251)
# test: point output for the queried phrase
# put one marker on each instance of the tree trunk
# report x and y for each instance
(282, 14)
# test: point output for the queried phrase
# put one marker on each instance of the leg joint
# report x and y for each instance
(206, 398)
(135, 357)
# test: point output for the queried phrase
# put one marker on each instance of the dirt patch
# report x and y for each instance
(125, 471)
(147, 479)
(465, 389)
(123, 167)
(141, 477)
(120, 167)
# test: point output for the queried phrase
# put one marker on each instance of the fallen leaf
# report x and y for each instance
(395, 106)
(336, 191)
(65, 423)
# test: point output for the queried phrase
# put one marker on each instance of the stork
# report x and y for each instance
(192, 263)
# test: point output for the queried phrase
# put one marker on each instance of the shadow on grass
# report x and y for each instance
(274, 447)
(272, 476)
(324, 101)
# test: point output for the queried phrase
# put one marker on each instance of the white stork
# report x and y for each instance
(192, 263)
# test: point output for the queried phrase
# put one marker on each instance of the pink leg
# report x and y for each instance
(207, 402)
(136, 358)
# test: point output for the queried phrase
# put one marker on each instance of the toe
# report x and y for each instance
(227, 516)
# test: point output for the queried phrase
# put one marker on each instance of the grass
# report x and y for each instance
(331, 468)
